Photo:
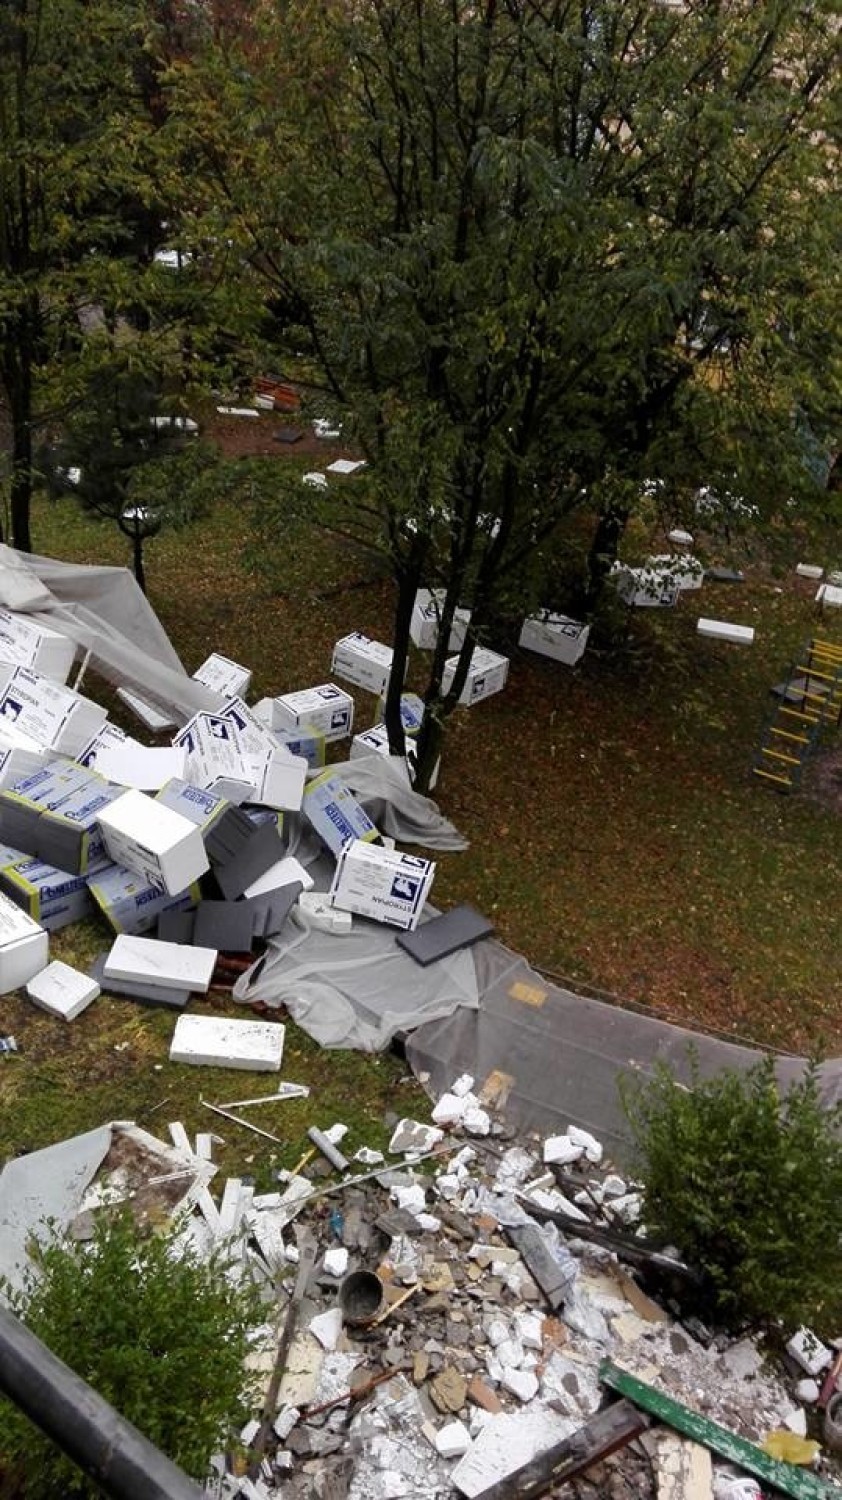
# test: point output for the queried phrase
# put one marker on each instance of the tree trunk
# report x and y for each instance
(137, 552)
(430, 741)
(407, 587)
(21, 484)
(603, 553)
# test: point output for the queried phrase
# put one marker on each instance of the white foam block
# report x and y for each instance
(809, 570)
(143, 767)
(24, 946)
(285, 872)
(723, 630)
(346, 465)
(62, 990)
(175, 966)
(156, 842)
(148, 714)
(216, 1041)
(830, 595)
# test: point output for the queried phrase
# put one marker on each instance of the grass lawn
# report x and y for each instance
(617, 837)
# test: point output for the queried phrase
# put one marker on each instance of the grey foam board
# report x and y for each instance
(263, 850)
(176, 926)
(270, 911)
(289, 435)
(144, 994)
(226, 925)
(444, 935)
(724, 575)
(226, 837)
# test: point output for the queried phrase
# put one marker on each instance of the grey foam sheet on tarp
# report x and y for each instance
(557, 1056)
(460, 927)
(45, 1185)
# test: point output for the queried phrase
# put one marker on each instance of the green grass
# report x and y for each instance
(617, 837)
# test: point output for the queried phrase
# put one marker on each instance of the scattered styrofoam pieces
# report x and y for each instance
(336, 1261)
(232, 1206)
(238, 411)
(180, 1138)
(314, 480)
(453, 1440)
(562, 1150)
(216, 1041)
(411, 1136)
(589, 1143)
(286, 871)
(808, 1351)
(508, 1442)
(62, 990)
(327, 1327)
(679, 537)
(724, 630)
(346, 465)
(324, 427)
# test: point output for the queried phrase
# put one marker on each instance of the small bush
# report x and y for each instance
(748, 1185)
(158, 1333)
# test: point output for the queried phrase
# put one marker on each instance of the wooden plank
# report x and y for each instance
(609, 1430)
(799, 1484)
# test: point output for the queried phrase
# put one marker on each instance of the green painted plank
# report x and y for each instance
(791, 1480)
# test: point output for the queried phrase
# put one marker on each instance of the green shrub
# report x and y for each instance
(161, 1335)
(748, 1186)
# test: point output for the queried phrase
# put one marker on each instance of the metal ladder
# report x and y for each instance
(811, 699)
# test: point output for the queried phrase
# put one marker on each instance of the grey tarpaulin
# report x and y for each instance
(105, 612)
(554, 1058)
(356, 991)
(381, 784)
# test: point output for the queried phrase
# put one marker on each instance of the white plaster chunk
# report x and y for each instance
(521, 1383)
(561, 1149)
(589, 1143)
(453, 1440)
(327, 1327)
(808, 1351)
(336, 1261)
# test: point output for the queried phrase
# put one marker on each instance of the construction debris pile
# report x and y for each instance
(431, 1332)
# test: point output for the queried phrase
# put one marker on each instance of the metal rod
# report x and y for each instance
(246, 1124)
(104, 1445)
(301, 1092)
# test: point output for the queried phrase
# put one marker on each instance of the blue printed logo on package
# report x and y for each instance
(338, 718)
(10, 708)
(328, 692)
(478, 687)
(404, 889)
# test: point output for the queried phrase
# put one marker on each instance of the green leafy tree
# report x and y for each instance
(519, 243)
(747, 1183)
(159, 1334)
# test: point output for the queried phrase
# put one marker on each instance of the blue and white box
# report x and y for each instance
(130, 904)
(223, 675)
(53, 715)
(426, 620)
(412, 713)
(333, 810)
(486, 675)
(382, 884)
(215, 757)
(555, 635)
(366, 663)
(55, 898)
(328, 709)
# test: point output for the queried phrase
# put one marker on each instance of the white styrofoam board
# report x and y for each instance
(724, 630)
(217, 1041)
(285, 872)
(144, 767)
(62, 990)
(24, 946)
(175, 966)
(146, 836)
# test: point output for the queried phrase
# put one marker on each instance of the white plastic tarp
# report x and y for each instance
(106, 613)
(357, 990)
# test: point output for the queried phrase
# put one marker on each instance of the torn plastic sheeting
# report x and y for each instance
(54, 1185)
(44, 1185)
(547, 1057)
(106, 613)
(359, 989)
(398, 811)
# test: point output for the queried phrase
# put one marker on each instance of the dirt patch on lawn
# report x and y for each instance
(823, 782)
